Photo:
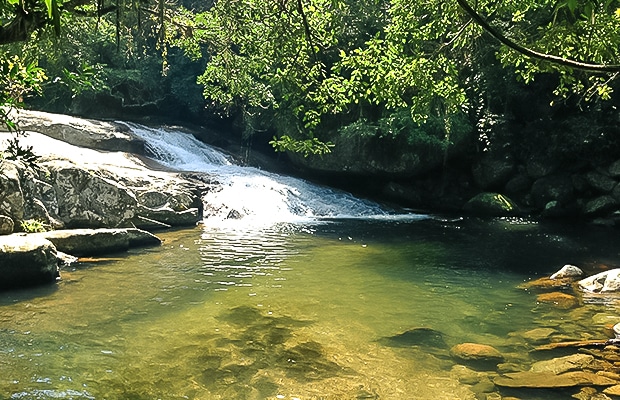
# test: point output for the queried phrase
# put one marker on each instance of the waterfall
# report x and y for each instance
(248, 194)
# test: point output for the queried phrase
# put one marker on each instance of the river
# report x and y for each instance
(302, 304)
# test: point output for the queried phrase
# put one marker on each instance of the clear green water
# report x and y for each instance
(292, 313)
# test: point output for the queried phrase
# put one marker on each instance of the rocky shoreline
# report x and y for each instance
(462, 179)
(552, 358)
(89, 175)
(28, 259)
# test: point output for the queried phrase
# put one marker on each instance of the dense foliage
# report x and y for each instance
(376, 67)
(306, 70)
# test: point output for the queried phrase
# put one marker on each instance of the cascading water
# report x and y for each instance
(251, 194)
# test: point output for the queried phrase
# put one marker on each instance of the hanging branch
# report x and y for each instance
(162, 26)
(566, 62)
(119, 7)
(99, 12)
(307, 30)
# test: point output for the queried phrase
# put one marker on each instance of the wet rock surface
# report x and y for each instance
(491, 204)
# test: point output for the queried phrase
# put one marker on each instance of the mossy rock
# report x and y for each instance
(492, 205)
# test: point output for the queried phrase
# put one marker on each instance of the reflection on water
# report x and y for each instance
(341, 310)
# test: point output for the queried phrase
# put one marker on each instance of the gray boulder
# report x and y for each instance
(601, 183)
(567, 271)
(539, 167)
(26, 260)
(86, 199)
(166, 216)
(600, 206)
(11, 196)
(90, 242)
(493, 170)
(93, 134)
(614, 169)
(6, 225)
(518, 184)
(550, 188)
(95, 189)
(369, 154)
(604, 282)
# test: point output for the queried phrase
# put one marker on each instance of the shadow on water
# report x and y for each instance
(27, 294)
(527, 247)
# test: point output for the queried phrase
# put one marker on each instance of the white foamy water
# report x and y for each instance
(248, 195)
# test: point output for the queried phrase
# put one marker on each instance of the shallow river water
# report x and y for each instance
(297, 311)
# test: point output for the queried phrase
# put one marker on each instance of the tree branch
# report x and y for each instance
(21, 26)
(307, 31)
(566, 62)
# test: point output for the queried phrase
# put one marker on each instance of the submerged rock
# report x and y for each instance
(549, 380)
(416, 337)
(26, 260)
(547, 283)
(538, 335)
(467, 375)
(573, 362)
(476, 352)
(559, 299)
(612, 390)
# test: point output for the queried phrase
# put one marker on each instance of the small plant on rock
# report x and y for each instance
(16, 151)
(33, 226)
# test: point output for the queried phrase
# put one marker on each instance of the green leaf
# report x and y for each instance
(49, 5)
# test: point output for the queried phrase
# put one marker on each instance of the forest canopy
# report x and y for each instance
(306, 70)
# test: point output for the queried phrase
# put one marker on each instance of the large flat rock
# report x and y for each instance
(89, 242)
(549, 380)
(93, 134)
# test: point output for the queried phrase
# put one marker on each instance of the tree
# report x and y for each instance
(310, 69)
(68, 39)
(295, 63)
